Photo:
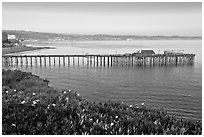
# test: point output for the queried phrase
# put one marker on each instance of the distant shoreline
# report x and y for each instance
(18, 49)
(43, 36)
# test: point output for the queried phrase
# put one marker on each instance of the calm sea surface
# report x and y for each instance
(177, 89)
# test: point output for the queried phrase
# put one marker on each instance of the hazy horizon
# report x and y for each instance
(111, 18)
(103, 34)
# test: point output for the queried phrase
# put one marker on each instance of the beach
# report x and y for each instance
(18, 49)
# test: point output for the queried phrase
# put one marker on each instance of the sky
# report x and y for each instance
(116, 18)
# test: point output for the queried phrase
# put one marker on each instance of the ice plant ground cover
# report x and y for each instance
(30, 106)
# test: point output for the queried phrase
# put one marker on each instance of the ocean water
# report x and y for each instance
(177, 89)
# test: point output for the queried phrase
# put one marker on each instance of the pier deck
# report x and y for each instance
(100, 60)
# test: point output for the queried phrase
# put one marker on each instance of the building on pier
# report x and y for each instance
(174, 52)
(147, 52)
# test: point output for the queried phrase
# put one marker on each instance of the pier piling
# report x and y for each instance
(104, 60)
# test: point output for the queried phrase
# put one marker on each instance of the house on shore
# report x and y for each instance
(11, 37)
(10, 40)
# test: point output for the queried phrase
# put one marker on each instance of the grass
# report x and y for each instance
(30, 106)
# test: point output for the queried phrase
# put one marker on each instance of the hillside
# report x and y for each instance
(41, 36)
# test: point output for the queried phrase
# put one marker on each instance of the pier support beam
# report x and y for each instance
(17, 61)
(101, 60)
(40, 61)
(104, 61)
(44, 61)
(31, 63)
(68, 61)
(54, 61)
(87, 60)
(49, 61)
(59, 61)
(36, 61)
(97, 61)
(26, 61)
(63, 60)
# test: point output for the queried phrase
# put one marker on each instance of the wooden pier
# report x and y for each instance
(99, 60)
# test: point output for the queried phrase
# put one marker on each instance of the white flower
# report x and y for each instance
(69, 90)
(53, 105)
(33, 94)
(34, 102)
(77, 94)
(14, 90)
(130, 105)
(48, 106)
(23, 102)
(116, 116)
(37, 100)
(66, 99)
(156, 122)
(6, 91)
(142, 104)
(112, 124)
(65, 92)
(13, 124)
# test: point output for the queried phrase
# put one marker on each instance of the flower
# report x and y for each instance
(130, 105)
(35, 101)
(112, 124)
(23, 102)
(6, 91)
(13, 124)
(116, 116)
(69, 90)
(66, 99)
(33, 94)
(65, 92)
(77, 94)
(156, 122)
(142, 104)
(14, 90)
(53, 105)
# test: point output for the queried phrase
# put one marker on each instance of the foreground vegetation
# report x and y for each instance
(30, 106)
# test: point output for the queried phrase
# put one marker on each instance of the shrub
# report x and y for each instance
(10, 78)
(35, 108)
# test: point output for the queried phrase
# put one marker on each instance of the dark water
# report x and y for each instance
(177, 89)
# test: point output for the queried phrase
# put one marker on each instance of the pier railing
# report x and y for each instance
(100, 60)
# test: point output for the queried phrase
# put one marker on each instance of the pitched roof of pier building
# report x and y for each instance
(147, 52)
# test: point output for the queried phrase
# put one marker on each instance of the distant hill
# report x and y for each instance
(41, 36)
